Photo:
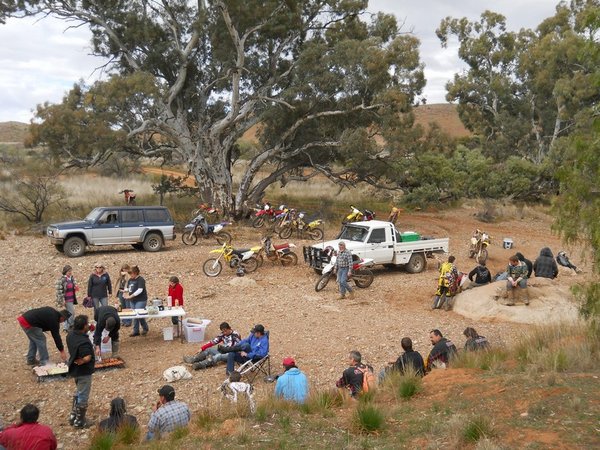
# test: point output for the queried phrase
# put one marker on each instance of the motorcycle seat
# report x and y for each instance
(240, 251)
(280, 246)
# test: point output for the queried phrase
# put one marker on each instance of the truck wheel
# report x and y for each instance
(416, 264)
(363, 278)
(323, 282)
(74, 247)
(153, 242)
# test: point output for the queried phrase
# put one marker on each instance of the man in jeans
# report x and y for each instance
(34, 322)
(254, 347)
(343, 264)
(81, 367)
(209, 355)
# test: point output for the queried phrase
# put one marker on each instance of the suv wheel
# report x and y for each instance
(153, 242)
(74, 247)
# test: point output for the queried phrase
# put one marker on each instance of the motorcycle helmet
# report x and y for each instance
(240, 272)
(329, 251)
(301, 215)
(282, 207)
(267, 207)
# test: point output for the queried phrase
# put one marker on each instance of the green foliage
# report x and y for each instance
(477, 428)
(409, 386)
(102, 441)
(368, 418)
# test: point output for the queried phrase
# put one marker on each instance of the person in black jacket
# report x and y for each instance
(482, 276)
(474, 341)
(352, 377)
(527, 262)
(409, 362)
(107, 318)
(81, 367)
(34, 322)
(118, 417)
(442, 352)
(545, 266)
(99, 286)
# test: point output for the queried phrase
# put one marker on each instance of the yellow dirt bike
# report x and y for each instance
(312, 229)
(243, 259)
(480, 241)
(356, 215)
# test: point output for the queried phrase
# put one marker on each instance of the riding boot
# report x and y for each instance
(209, 362)
(200, 356)
(235, 348)
(80, 421)
(436, 302)
(525, 295)
(73, 413)
(115, 349)
(511, 297)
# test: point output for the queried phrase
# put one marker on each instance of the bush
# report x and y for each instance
(323, 402)
(368, 418)
(409, 386)
(102, 441)
(476, 429)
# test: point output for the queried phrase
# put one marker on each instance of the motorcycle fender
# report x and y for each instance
(328, 268)
(284, 251)
(217, 228)
(188, 227)
(247, 255)
(219, 250)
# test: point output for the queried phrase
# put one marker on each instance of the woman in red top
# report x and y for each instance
(176, 295)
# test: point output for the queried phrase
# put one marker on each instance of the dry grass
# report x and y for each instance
(86, 189)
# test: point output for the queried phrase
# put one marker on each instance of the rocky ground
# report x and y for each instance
(316, 328)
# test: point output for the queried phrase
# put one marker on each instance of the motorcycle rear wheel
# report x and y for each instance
(189, 238)
(483, 255)
(223, 237)
(212, 267)
(285, 233)
(258, 222)
(316, 234)
(363, 278)
(250, 264)
(289, 259)
(322, 282)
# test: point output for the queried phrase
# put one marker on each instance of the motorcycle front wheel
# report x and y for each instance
(223, 237)
(212, 267)
(483, 255)
(363, 278)
(189, 238)
(285, 233)
(289, 259)
(250, 264)
(258, 222)
(316, 234)
(322, 282)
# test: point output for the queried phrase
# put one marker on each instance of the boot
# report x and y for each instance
(203, 364)
(115, 349)
(200, 356)
(80, 421)
(223, 349)
(525, 295)
(73, 413)
(436, 302)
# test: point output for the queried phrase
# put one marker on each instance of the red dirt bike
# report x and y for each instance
(266, 214)
(273, 253)
(129, 196)
(361, 274)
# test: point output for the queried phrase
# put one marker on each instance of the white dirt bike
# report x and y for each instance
(361, 274)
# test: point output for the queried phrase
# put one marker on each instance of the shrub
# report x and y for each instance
(128, 435)
(409, 386)
(368, 418)
(206, 418)
(102, 441)
(323, 401)
(476, 429)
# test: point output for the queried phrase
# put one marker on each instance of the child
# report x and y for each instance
(66, 294)
(233, 386)
(176, 294)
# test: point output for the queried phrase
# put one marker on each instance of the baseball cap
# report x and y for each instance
(258, 327)
(289, 361)
(167, 391)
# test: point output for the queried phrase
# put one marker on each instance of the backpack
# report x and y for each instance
(368, 378)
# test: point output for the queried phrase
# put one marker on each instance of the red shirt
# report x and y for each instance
(28, 436)
(176, 293)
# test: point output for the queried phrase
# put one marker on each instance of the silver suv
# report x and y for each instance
(144, 227)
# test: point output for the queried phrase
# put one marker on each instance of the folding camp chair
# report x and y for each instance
(250, 369)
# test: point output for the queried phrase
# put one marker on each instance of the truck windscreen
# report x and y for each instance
(353, 233)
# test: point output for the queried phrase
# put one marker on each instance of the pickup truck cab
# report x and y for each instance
(143, 227)
(382, 242)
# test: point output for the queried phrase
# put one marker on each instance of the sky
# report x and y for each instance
(40, 60)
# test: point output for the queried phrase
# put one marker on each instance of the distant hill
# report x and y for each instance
(13, 132)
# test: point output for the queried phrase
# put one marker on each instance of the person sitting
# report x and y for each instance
(233, 387)
(292, 384)
(474, 341)
(352, 377)
(563, 260)
(545, 265)
(253, 348)
(481, 274)
(442, 352)
(117, 418)
(517, 279)
(409, 362)
(209, 355)
(527, 262)
(168, 414)
(28, 434)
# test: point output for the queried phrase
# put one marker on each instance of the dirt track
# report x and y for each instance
(315, 328)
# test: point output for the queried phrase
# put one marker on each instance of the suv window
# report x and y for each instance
(157, 215)
(132, 216)
(108, 217)
(377, 236)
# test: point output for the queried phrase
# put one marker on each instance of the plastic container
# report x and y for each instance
(410, 236)
(194, 329)
(507, 243)
(168, 334)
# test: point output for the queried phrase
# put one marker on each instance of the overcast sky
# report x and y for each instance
(40, 61)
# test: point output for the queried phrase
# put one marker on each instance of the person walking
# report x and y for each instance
(34, 322)
(81, 368)
(99, 286)
(138, 296)
(66, 295)
(343, 265)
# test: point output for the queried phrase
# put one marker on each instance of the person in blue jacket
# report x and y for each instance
(254, 347)
(292, 385)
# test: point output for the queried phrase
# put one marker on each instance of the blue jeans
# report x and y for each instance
(216, 355)
(37, 344)
(68, 324)
(98, 302)
(342, 279)
(234, 357)
(137, 322)
(83, 387)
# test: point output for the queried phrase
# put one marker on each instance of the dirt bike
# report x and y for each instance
(266, 214)
(361, 274)
(199, 227)
(129, 196)
(236, 259)
(480, 241)
(356, 215)
(273, 253)
(311, 229)
(205, 208)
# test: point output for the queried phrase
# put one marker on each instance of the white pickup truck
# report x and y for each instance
(382, 242)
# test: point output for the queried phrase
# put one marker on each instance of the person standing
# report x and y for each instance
(28, 434)
(81, 368)
(66, 290)
(99, 286)
(138, 296)
(292, 384)
(176, 294)
(343, 265)
(168, 414)
(108, 324)
(120, 286)
(34, 322)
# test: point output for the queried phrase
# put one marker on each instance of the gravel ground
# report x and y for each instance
(316, 328)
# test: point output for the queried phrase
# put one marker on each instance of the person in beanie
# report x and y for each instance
(34, 322)
(168, 414)
(66, 289)
(108, 325)
(292, 384)
(81, 368)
